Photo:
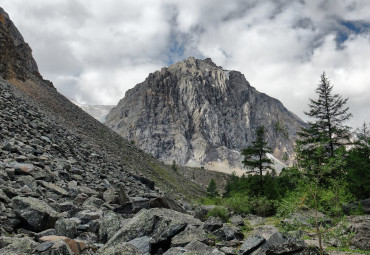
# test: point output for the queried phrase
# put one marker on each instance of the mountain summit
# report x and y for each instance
(198, 114)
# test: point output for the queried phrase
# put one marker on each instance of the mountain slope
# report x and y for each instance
(18, 68)
(198, 114)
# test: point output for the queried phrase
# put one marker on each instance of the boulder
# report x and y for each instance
(366, 205)
(250, 244)
(59, 247)
(190, 234)
(35, 213)
(237, 220)
(280, 244)
(212, 224)
(255, 220)
(76, 246)
(165, 202)
(228, 233)
(67, 227)
(360, 226)
(202, 211)
(16, 245)
(198, 248)
(123, 248)
(159, 224)
(142, 244)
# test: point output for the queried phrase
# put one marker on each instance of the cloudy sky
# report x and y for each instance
(94, 50)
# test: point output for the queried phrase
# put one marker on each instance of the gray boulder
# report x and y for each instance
(251, 244)
(212, 224)
(366, 205)
(360, 226)
(119, 249)
(228, 233)
(159, 224)
(190, 234)
(37, 214)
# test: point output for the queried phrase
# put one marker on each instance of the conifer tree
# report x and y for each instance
(327, 130)
(212, 189)
(255, 155)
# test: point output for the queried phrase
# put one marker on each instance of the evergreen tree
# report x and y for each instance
(328, 129)
(255, 155)
(358, 164)
(212, 189)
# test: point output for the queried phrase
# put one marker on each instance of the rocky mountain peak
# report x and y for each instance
(16, 60)
(198, 114)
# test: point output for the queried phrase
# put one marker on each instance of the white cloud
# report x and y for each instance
(94, 51)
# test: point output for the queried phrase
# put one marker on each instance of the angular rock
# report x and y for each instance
(123, 248)
(360, 225)
(251, 244)
(109, 225)
(67, 227)
(366, 205)
(237, 220)
(202, 211)
(16, 245)
(159, 224)
(198, 248)
(212, 224)
(228, 233)
(53, 188)
(37, 214)
(44, 246)
(165, 202)
(142, 244)
(21, 168)
(188, 235)
(76, 246)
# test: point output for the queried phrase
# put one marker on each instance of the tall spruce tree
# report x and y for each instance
(255, 155)
(327, 130)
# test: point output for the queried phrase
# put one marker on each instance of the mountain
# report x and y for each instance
(99, 112)
(198, 114)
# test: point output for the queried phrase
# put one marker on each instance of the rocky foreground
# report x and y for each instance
(59, 195)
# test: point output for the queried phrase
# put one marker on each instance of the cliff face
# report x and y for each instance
(198, 114)
(16, 59)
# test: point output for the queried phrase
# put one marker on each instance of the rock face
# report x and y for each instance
(198, 114)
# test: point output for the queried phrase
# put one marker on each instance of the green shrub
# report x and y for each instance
(290, 203)
(220, 212)
(239, 203)
(263, 206)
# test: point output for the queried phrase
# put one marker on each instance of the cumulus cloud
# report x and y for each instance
(94, 50)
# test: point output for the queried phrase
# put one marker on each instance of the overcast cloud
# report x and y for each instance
(94, 51)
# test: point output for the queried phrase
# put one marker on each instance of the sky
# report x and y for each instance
(93, 51)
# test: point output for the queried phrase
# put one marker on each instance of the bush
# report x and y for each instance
(239, 203)
(263, 206)
(290, 203)
(220, 212)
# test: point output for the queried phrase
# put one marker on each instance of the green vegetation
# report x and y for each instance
(220, 212)
(255, 155)
(326, 177)
(212, 189)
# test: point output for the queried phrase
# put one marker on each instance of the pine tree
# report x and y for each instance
(212, 189)
(328, 129)
(255, 155)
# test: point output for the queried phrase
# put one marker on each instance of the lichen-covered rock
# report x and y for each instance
(188, 235)
(228, 233)
(109, 225)
(16, 245)
(251, 244)
(123, 248)
(360, 225)
(36, 214)
(159, 224)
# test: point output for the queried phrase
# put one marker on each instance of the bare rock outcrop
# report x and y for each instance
(198, 114)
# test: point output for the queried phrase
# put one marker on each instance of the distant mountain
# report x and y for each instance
(198, 114)
(99, 112)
